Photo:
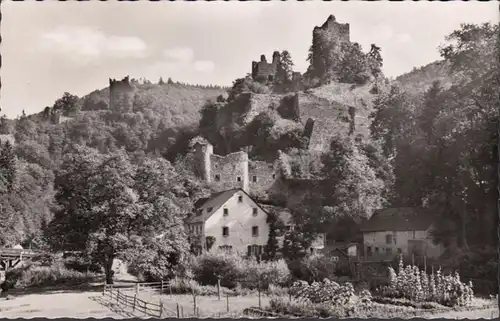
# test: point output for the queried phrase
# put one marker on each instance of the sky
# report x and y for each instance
(52, 47)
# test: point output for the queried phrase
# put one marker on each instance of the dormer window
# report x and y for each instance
(240, 199)
(217, 177)
(254, 212)
(209, 209)
(226, 212)
(238, 178)
(254, 179)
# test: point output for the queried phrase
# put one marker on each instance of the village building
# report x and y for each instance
(230, 220)
(233, 221)
(394, 231)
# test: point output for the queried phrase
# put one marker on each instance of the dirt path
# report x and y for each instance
(59, 305)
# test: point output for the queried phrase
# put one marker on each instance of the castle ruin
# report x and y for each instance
(234, 170)
(121, 95)
(264, 71)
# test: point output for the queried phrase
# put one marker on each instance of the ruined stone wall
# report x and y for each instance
(121, 95)
(262, 175)
(230, 171)
(263, 70)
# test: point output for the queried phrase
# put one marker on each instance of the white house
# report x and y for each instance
(229, 220)
(394, 231)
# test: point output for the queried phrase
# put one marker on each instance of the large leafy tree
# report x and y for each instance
(112, 208)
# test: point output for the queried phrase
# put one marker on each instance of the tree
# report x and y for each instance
(272, 247)
(170, 81)
(285, 68)
(66, 104)
(161, 82)
(7, 164)
(117, 207)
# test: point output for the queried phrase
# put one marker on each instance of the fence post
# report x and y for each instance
(218, 287)
(161, 308)
(135, 302)
(178, 311)
(170, 288)
(198, 312)
(194, 304)
(161, 287)
(137, 288)
(260, 306)
(227, 303)
(182, 311)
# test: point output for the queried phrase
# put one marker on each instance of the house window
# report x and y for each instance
(388, 239)
(217, 177)
(226, 212)
(368, 251)
(254, 179)
(225, 231)
(240, 199)
(255, 231)
(413, 234)
(254, 211)
(394, 238)
(226, 248)
(210, 209)
(254, 250)
(376, 250)
(238, 178)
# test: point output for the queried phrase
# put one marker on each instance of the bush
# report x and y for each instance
(209, 266)
(266, 273)
(81, 264)
(34, 276)
(313, 268)
(325, 299)
(233, 270)
(412, 284)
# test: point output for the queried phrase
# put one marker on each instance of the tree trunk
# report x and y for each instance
(108, 269)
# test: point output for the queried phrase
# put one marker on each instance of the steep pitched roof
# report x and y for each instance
(215, 201)
(399, 219)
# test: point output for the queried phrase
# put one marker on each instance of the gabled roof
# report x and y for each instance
(216, 201)
(399, 219)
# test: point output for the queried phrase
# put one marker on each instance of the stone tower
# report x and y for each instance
(121, 95)
(202, 153)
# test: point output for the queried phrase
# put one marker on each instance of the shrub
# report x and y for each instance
(233, 269)
(264, 273)
(325, 299)
(82, 264)
(209, 266)
(33, 276)
(313, 268)
(415, 285)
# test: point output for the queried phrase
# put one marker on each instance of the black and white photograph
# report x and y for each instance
(249, 159)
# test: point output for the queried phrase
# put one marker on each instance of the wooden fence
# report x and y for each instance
(120, 296)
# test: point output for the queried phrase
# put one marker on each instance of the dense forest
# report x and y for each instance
(119, 185)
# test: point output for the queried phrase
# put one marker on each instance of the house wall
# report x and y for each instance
(240, 221)
(378, 240)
